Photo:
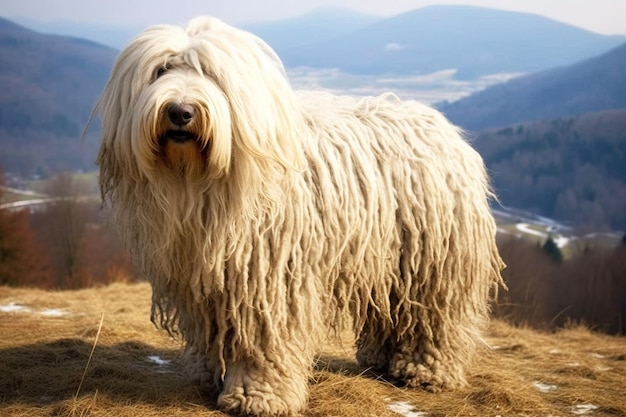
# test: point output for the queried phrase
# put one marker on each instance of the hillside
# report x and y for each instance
(136, 370)
(113, 36)
(318, 25)
(49, 85)
(598, 83)
(475, 41)
(314, 27)
(572, 169)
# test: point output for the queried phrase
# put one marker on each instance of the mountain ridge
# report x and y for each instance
(322, 23)
(593, 84)
(453, 37)
(50, 84)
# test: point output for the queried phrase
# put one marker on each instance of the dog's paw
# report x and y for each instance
(239, 402)
(423, 378)
(258, 391)
(426, 372)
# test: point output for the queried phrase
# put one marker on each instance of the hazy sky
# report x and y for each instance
(601, 16)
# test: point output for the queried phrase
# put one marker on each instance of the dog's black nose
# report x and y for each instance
(180, 114)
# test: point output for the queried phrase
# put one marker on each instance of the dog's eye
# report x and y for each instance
(160, 71)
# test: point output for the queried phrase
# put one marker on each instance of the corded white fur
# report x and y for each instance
(289, 210)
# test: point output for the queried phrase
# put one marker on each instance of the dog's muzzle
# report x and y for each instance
(180, 116)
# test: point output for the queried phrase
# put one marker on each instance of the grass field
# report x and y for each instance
(47, 337)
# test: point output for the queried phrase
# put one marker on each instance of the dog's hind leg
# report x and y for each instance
(416, 349)
(427, 359)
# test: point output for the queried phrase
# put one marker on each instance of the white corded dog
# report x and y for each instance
(260, 215)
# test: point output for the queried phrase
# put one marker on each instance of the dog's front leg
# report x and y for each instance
(261, 387)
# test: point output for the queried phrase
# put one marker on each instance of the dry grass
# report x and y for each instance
(44, 354)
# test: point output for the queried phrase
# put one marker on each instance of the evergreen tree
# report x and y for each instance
(552, 250)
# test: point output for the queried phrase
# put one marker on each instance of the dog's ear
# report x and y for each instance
(115, 155)
(265, 114)
(134, 69)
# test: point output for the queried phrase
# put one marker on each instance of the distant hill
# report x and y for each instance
(572, 168)
(476, 41)
(49, 85)
(317, 26)
(113, 36)
(594, 84)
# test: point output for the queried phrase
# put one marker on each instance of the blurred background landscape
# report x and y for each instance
(544, 102)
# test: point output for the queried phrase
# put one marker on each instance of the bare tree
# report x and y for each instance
(63, 228)
(22, 260)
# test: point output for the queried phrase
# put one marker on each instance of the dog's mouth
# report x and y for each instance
(183, 151)
(177, 136)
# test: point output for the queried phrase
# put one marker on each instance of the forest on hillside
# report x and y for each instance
(572, 169)
(68, 243)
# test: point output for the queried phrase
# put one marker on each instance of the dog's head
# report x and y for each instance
(203, 103)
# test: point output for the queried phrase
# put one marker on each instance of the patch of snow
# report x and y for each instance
(53, 312)
(574, 364)
(162, 363)
(597, 356)
(525, 227)
(583, 409)
(554, 351)
(26, 203)
(158, 360)
(29, 193)
(541, 387)
(405, 409)
(559, 240)
(420, 80)
(14, 308)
